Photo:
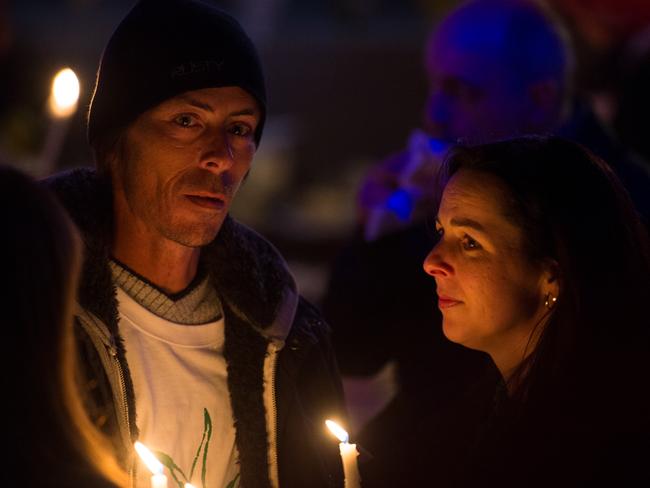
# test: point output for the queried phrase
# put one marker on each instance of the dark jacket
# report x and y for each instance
(590, 431)
(282, 376)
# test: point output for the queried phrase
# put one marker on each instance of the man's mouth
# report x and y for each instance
(213, 202)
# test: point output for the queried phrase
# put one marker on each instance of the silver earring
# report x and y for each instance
(550, 300)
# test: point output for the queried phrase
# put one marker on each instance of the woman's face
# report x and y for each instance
(490, 293)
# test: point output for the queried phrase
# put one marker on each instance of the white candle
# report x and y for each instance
(158, 479)
(349, 455)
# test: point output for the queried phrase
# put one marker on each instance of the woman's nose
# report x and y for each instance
(435, 264)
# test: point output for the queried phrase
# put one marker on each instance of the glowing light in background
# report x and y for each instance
(65, 93)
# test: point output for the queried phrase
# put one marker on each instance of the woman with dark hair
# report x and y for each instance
(48, 436)
(543, 263)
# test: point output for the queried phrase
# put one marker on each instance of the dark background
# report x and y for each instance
(345, 87)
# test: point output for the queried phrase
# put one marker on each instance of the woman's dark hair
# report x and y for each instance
(51, 440)
(572, 209)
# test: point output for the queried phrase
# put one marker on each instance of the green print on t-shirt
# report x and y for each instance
(175, 470)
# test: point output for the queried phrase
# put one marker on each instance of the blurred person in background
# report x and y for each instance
(609, 92)
(633, 96)
(196, 339)
(523, 274)
(512, 76)
(496, 68)
(49, 439)
(601, 30)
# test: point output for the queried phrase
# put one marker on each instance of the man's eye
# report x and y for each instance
(469, 244)
(241, 130)
(185, 120)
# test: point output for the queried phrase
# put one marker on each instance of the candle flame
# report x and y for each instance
(338, 431)
(189, 485)
(148, 458)
(65, 93)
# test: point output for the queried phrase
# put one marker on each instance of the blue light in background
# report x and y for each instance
(400, 203)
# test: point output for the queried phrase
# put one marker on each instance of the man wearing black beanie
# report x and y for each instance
(193, 337)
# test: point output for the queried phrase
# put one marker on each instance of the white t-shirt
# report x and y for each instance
(177, 372)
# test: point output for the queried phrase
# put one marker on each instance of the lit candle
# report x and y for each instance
(158, 479)
(62, 104)
(349, 455)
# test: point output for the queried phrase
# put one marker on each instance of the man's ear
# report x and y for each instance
(545, 103)
(108, 152)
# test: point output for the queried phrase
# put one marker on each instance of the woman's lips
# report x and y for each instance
(447, 302)
(213, 203)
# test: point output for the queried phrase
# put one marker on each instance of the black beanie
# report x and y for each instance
(163, 48)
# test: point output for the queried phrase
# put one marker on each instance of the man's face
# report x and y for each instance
(182, 162)
(472, 93)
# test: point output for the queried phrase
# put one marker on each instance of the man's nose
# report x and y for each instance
(217, 154)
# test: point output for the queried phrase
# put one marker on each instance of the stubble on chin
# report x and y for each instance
(192, 234)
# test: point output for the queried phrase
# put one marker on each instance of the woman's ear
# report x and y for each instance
(550, 282)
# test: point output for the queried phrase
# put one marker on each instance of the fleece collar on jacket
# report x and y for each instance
(250, 275)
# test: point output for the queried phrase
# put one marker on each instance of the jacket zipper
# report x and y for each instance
(124, 409)
(99, 332)
(120, 374)
(273, 419)
(275, 410)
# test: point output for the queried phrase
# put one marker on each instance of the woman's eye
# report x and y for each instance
(241, 130)
(185, 120)
(469, 244)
